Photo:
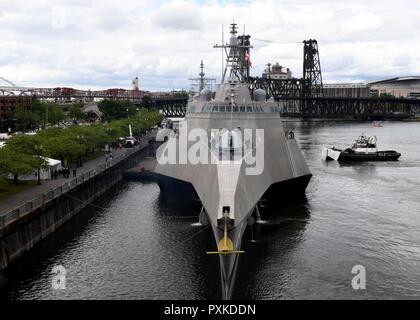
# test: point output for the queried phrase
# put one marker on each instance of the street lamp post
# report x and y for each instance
(80, 138)
(39, 156)
(138, 111)
(46, 115)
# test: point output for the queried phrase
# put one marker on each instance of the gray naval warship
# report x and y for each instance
(244, 156)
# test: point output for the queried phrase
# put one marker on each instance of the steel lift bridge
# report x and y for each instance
(305, 97)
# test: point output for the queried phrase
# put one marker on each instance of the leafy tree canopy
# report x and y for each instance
(116, 109)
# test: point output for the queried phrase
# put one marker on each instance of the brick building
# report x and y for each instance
(8, 103)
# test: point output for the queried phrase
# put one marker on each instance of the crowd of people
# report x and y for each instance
(65, 172)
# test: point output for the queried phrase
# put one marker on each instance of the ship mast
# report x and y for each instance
(202, 80)
(238, 52)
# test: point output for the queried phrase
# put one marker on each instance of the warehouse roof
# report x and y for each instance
(398, 79)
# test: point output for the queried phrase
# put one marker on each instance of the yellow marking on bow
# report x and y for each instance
(225, 246)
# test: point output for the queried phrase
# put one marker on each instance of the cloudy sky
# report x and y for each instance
(105, 44)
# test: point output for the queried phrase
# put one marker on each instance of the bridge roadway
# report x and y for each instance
(289, 95)
(328, 107)
(64, 93)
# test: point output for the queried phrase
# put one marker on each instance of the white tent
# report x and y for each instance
(45, 173)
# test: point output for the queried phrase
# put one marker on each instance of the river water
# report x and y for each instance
(130, 245)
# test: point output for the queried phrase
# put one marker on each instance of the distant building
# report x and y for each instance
(9, 103)
(92, 113)
(403, 87)
(135, 84)
(276, 72)
(347, 90)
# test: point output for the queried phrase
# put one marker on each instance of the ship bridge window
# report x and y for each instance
(229, 109)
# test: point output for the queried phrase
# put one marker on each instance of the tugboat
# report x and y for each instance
(364, 149)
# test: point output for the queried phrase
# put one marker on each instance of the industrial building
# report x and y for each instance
(347, 90)
(402, 87)
(276, 72)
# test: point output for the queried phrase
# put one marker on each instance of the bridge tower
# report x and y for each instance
(312, 76)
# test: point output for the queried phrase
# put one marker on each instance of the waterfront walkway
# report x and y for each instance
(16, 201)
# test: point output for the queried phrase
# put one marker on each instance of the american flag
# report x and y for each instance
(248, 59)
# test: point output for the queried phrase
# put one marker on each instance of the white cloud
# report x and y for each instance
(104, 43)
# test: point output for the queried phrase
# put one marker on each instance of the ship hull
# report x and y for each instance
(176, 191)
(377, 156)
(349, 155)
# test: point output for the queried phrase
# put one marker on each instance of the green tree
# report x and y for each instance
(47, 112)
(386, 95)
(16, 163)
(116, 109)
(61, 144)
(76, 111)
(24, 118)
(148, 102)
(22, 154)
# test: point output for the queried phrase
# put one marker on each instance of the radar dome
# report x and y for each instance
(260, 95)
